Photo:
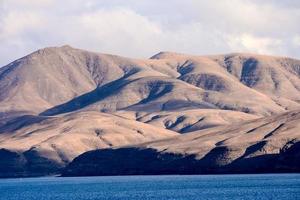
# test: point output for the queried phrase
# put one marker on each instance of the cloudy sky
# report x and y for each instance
(141, 28)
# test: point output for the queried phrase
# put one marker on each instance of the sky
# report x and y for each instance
(142, 28)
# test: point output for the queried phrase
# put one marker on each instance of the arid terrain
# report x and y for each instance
(171, 113)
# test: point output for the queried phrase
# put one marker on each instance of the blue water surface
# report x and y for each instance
(196, 187)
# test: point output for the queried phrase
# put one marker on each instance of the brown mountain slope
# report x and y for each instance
(62, 138)
(53, 77)
(269, 145)
(56, 102)
(189, 120)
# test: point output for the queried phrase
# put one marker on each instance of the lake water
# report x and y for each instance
(252, 187)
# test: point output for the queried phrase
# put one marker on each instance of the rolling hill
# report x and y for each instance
(59, 102)
(264, 145)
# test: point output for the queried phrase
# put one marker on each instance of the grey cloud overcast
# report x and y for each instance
(141, 28)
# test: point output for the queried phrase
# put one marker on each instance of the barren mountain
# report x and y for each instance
(54, 141)
(271, 144)
(59, 102)
(188, 120)
(63, 79)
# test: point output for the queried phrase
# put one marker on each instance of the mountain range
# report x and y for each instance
(75, 112)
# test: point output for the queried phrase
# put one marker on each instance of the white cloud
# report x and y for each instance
(296, 40)
(118, 30)
(16, 23)
(140, 28)
(251, 43)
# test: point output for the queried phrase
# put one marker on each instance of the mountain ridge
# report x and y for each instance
(55, 101)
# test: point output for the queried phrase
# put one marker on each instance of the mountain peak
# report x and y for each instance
(53, 48)
(166, 54)
(50, 50)
(66, 46)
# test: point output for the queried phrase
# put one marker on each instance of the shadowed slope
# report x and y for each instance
(189, 120)
(53, 104)
(51, 78)
(59, 139)
(264, 145)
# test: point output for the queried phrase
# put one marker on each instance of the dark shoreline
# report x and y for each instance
(153, 175)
